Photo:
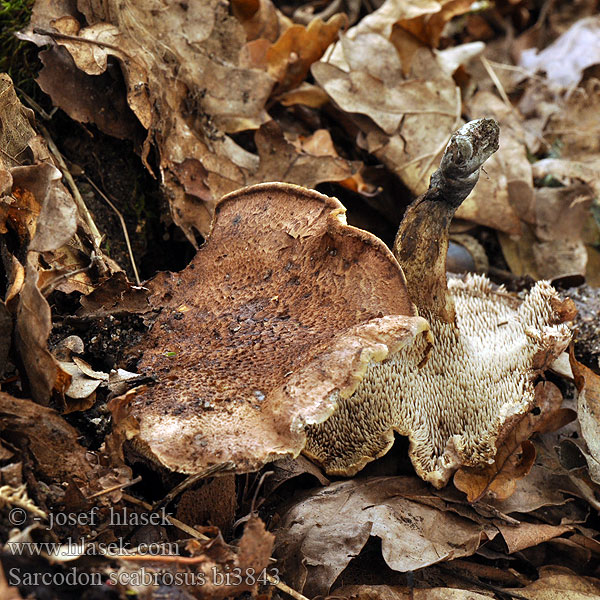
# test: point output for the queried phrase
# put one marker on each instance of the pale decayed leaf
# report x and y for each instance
(321, 533)
(564, 60)
(559, 582)
(588, 413)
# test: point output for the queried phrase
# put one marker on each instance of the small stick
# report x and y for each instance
(191, 480)
(496, 81)
(83, 210)
(73, 38)
(123, 226)
(114, 488)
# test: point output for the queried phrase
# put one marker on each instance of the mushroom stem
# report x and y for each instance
(421, 244)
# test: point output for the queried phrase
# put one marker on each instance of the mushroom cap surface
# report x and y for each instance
(277, 316)
(456, 408)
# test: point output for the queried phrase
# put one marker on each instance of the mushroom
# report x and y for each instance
(487, 351)
(274, 321)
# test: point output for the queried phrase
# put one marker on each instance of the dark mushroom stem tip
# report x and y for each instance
(421, 244)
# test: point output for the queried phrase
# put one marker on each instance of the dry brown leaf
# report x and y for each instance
(553, 247)
(113, 296)
(321, 144)
(189, 84)
(541, 487)
(428, 28)
(69, 270)
(386, 592)
(307, 94)
(286, 469)
(290, 57)
(557, 243)
(283, 306)
(558, 583)
(37, 208)
(574, 122)
(17, 133)
(99, 99)
(305, 164)
(412, 116)
(260, 19)
(504, 194)
(588, 413)
(325, 529)
(499, 479)
(526, 535)
(201, 55)
(49, 440)
(33, 326)
(515, 454)
(253, 556)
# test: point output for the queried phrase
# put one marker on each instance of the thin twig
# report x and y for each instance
(73, 38)
(496, 81)
(83, 210)
(38, 109)
(191, 480)
(47, 289)
(114, 488)
(123, 226)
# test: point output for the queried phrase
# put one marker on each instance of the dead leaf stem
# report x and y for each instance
(114, 488)
(73, 38)
(81, 207)
(490, 71)
(123, 227)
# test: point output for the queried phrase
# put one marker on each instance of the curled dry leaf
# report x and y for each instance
(280, 312)
(290, 57)
(487, 349)
(260, 18)
(48, 439)
(553, 246)
(527, 535)
(429, 26)
(322, 532)
(553, 241)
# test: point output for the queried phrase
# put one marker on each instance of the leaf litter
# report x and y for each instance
(217, 96)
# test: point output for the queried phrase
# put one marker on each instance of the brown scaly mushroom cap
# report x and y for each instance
(487, 349)
(275, 320)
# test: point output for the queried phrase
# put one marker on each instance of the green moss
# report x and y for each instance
(17, 58)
